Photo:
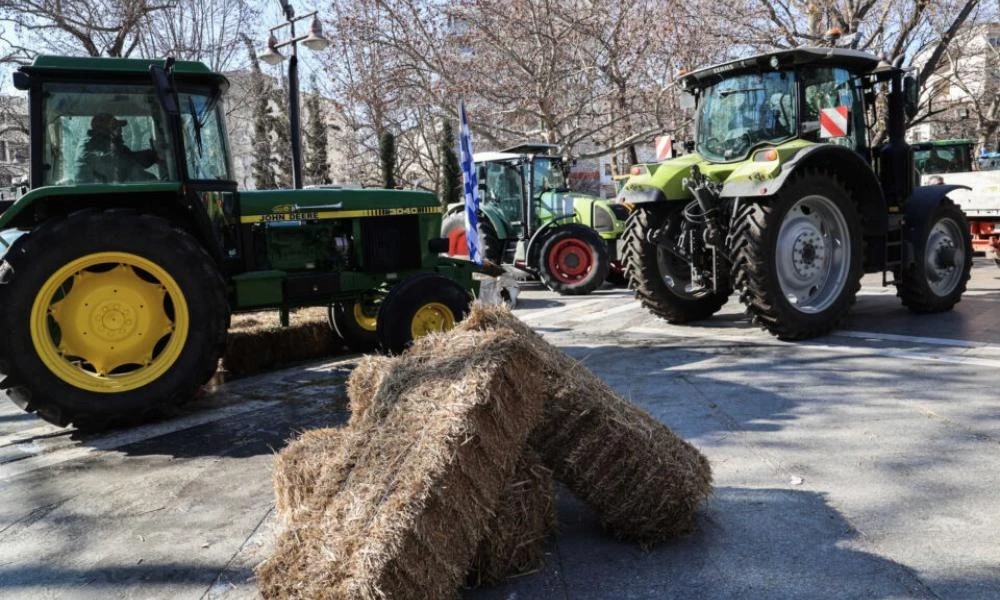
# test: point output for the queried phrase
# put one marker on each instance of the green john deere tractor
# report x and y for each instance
(119, 269)
(529, 219)
(786, 200)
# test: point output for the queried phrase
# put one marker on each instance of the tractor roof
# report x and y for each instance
(63, 66)
(532, 148)
(954, 142)
(852, 60)
(480, 157)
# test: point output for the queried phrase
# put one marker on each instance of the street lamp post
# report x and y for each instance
(314, 41)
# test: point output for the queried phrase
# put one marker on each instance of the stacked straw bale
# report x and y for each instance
(645, 482)
(514, 542)
(256, 350)
(401, 504)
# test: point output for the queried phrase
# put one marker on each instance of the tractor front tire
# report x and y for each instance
(797, 257)
(574, 260)
(355, 323)
(109, 316)
(939, 273)
(659, 278)
(418, 305)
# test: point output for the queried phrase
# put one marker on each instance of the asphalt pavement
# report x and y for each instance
(863, 464)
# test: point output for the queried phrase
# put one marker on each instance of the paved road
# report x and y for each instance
(862, 464)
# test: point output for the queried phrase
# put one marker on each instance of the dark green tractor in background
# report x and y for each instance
(121, 265)
(786, 201)
(529, 219)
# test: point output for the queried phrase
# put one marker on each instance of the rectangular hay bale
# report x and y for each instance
(644, 481)
(403, 516)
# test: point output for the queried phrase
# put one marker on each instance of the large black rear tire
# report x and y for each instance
(797, 257)
(660, 279)
(941, 269)
(418, 305)
(573, 260)
(109, 316)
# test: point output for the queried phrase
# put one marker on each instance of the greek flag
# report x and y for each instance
(471, 186)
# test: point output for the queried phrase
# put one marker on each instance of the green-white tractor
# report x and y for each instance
(121, 265)
(529, 219)
(786, 200)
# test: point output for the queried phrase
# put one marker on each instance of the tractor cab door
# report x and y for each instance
(209, 168)
(833, 108)
(548, 191)
(505, 193)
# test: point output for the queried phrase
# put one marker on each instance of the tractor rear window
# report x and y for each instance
(98, 133)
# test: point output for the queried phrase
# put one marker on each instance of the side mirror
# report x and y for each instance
(22, 81)
(689, 146)
(910, 96)
(687, 101)
(481, 176)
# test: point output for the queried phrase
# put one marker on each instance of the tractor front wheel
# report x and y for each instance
(573, 260)
(355, 323)
(797, 257)
(109, 316)
(662, 280)
(422, 304)
(935, 280)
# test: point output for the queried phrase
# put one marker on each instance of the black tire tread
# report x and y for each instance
(644, 278)
(156, 230)
(752, 265)
(913, 291)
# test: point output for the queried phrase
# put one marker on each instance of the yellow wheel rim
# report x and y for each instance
(366, 315)
(431, 317)
(109, 322)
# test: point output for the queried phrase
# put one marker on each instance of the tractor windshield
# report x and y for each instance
(547, 175)
(739, 113)
(205, 144)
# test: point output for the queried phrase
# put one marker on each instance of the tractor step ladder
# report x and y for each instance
(893, 253)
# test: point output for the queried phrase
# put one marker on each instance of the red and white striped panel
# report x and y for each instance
(664, 145)
(833, 122)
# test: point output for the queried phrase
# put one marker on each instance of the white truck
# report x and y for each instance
(951, 162)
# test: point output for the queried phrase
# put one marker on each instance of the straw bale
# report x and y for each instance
(514, 542)
(403, 515)
(256, 350)
(363, 383)
(644, 481)
(298, 466)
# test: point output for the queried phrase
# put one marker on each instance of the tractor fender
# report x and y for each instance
(919, 208)
(538, 239)
(163, 199)
(844, 163)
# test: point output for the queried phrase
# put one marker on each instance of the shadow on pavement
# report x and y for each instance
(752, 543)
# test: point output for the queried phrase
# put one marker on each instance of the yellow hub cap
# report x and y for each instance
(109, 322)
(366, 315)
(431, 317)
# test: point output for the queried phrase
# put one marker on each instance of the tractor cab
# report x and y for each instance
(524, 190)
(105, 125)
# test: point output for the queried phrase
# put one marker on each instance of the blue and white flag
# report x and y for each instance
(470, 186)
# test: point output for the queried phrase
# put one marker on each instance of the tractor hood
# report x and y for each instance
(665, 180)
(294, 205)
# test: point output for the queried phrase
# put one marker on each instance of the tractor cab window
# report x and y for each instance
(942, 158)
(832, 109)
(742, 112)
(505, 188)
(547, 175)
(99, 133)
(206, 146)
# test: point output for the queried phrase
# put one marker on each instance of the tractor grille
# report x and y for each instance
(391, 243)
